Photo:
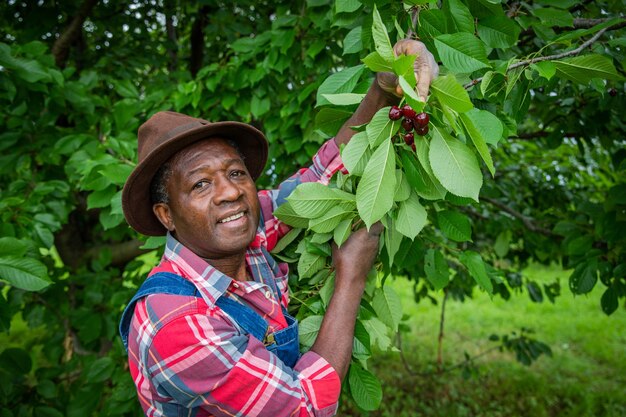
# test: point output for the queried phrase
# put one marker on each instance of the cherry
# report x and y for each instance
(409, 138)
(407, 124)
(395, 113)
(421, 119)
(612, 92)
(408, 112)
(413, 147)
(421, 130)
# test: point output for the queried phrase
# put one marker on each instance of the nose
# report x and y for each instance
(226, 190)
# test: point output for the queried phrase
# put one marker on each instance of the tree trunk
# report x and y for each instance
(197, 41)
(169, 8)
(61, 47)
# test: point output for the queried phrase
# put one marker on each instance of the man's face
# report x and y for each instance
(213, 206)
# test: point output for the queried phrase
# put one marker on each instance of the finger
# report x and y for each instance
(376, 229)
(423, 83)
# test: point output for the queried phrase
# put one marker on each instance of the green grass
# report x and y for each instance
(586, 376)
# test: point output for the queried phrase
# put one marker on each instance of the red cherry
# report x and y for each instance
(612, 92)
(407, 124)
(395, 113)
(421, 130)
(421, 119)
(408, 112)
(413, 147)
(409, 138)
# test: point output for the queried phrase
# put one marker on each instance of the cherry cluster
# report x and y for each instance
(411, 122)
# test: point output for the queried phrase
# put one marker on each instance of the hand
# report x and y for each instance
(425, 67)
(354, 259)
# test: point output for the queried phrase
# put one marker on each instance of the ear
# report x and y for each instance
(163, 213)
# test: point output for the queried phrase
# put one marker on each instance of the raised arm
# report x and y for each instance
(385, 90)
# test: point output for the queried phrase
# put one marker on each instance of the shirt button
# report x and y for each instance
(268, 294)
(235, 285)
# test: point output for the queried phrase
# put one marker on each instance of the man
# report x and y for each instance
(208, 334)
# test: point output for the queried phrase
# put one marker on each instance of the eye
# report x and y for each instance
(200, 185)
(238, 173)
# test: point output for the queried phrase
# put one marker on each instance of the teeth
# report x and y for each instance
(231, 218)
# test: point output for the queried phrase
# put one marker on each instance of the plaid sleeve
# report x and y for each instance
(326, 163)
(200, 360)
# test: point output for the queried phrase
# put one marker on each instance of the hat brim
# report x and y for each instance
(136, 200)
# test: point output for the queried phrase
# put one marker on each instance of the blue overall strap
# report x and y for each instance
(249, 320)
(159, 283)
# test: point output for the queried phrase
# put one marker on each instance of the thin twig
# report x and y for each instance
(441, 334)
(414, 15)
(527, 221)
(526, 62)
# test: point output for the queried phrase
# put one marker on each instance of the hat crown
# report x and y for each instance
(162, 127)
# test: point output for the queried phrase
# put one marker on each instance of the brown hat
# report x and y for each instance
(162, 136)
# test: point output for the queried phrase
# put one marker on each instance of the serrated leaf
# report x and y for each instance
(460, 16)
(403, 188)
(455, 226)
(423, 182)
(410, 95)
(381, 128)
(377, 63)
(388, 307)
(609, 301)
(486, 124)
(364, 387)
(476, 267)
(436, 269)
(352, 43)
(584, 277)
(547, 69)
(341, 82)
(286, 214)
(554, 17)
(361, 343)
(26, 273)
(313, 199)
(381, 38)
(455, 166)
(475, 131)
(404, 66)
(462, 52)
(412, 217)
(450, 93)
(330, 220)
(12, 247)
(342, 231)
(344, 99)
(330, 120)
(308, 330)
(374, 194)
(392, 238)
(347, 6)
(582, 69)
(100, 370)
(378, 332)
(498, 31)
(309, 264)
(289, 237)
(356, 154)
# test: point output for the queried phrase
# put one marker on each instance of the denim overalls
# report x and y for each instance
(283, 343)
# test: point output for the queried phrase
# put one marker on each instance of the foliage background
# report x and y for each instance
(77, 79)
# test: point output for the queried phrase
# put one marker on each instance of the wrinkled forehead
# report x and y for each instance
(216, 147)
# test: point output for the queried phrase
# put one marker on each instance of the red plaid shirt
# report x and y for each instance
(185, 350)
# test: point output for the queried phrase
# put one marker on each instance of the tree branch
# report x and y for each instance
(411, 33)
(61, 46)
(441, 334)
(527, 221)
(526, 62)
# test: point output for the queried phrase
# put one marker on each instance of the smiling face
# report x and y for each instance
(213, 207)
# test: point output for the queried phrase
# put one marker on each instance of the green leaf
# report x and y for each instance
(581, 69)
(404, 66)
(100, 370)
(498, 31)
(584, 277)
(387, 305)
(503, 242)
(455, 166)
(403, 188)
(312, 199)
(26, 273)
(455, 226)
(462, 52)
(153, 242)
(286, 214)
(310, 263)
(344, 99)
(330, 220)
(412, 217)
(342, 231)
(379, 334)
(476, 267)
(554, 17)
(330, 120)
(341, 82)
(423, 182)
(347, 6)
(392, 238)
(15, 361)
(364, 387)
(486, 125)
(12, 247)
(547, 69)
(381, 38)
(436, 269)
(609, 301)
(377, 63)
(356, 154)
(381, 128)
(410, 95)
(102, 198)
(361, 343)
(459, 15)
(308, 330)
(451, 94)
(474, 130)
(352, 43)
(374, 194)
(126, 88)
(289, 237)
